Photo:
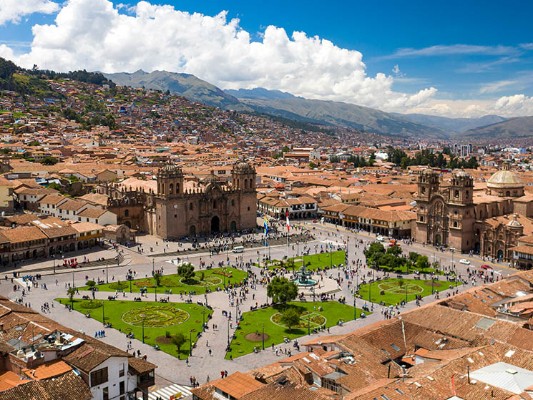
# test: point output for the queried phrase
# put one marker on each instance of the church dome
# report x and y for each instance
(504, 179)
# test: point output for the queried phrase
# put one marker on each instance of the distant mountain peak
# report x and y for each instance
(259, 93)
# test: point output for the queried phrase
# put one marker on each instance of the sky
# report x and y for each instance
(451, 58)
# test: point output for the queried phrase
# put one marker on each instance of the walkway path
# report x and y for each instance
(201, 365)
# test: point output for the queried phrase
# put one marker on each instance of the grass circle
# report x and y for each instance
(158, 316)
(312, 319)
(395, 288)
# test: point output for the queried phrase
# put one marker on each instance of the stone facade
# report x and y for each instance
(181, 207)
(449, 215)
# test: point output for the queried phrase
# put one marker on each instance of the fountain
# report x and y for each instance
(303, 278)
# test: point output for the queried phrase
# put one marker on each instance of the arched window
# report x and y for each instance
(170, 188)
(232, 202)
(126, 213)
(508, 193)
(456, 193)
(246, 183)
(191, 207)
(214, 204)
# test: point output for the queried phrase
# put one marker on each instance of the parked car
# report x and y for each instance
(380, 238)
(485, 266)
(464, 261)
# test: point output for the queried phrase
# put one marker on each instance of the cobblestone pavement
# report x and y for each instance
(201, 365)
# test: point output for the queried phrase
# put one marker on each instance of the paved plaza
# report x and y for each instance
(207, 360)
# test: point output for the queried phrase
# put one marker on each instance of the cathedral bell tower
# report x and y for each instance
(243, 177)
(170, 181)
(461, 215)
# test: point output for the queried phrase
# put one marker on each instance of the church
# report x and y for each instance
(486, 221)
(174, 206)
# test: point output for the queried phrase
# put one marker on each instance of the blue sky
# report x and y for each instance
(410, 56)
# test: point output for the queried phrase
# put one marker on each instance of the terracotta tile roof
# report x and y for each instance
(237, 384)
(23, 234)
(91, 354)
(9, 379)
(49, 370)
(92, 213)
(53, 199)
(140, 366)
(82, 227)
(66, 387)
(72, 205)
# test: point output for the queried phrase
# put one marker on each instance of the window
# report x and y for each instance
(232, 202)
(248, 208)
(423, 190)
(190, 206)
(455, 224)
(126, 213)
(121, 370)
(105, 393)
(122, 387)
(456, 193)
(98, 377)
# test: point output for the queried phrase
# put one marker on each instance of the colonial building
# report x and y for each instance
(455, 214)
(178, 206)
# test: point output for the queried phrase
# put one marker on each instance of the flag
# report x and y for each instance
(265, 224)
(288, 223)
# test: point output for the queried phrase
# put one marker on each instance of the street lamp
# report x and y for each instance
(228, 333)
(354, 307)
(190, 343)
(263, 336)
(107, 273)
(142, 322)
(54, 258)
(203, 319)
(103, 312)
(73, 286)
(130, 278)
(155, 292)
(153, 267)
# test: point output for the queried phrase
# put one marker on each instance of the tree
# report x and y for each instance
(291, 317)
(422, 262)
(70, 293)
(186, 271)
(178, 340)
(49, 160)
(282, 290)
(157, 278)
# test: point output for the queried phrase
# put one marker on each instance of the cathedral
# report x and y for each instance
(174, 206)
(486, 220)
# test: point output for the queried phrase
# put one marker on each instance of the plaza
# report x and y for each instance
(209, 357)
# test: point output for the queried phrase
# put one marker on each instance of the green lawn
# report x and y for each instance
(253, 321)
(206, 279)
(391, 292)
(160, 320)
(313, 261)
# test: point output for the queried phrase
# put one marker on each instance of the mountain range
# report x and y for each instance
(329, 113)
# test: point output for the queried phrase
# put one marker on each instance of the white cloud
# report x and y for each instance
(14, 10)
(517, 104)
(94, 35)
(494, 87)
(445, 50)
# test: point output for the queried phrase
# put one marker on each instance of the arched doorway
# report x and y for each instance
(215, 224)
(192, 230)
(499, 254)
(438, 240)
(233, 226)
